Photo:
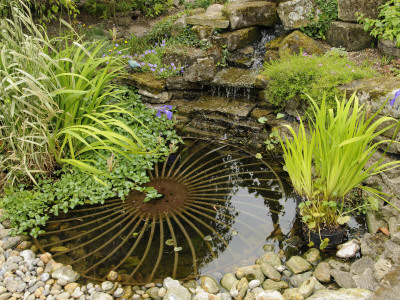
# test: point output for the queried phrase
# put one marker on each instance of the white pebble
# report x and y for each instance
(254, 283)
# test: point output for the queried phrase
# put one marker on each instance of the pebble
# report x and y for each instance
(161, 292)
(254, 283)
(119, 292)
(349, 249)
(77, 294)
(45, 277)
(63, 296)
(12, 286)
(136, 297)
(5, 296)
(107, 286)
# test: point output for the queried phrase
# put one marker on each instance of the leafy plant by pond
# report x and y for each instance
(293, 76)
(54, 100)
(319, 23)
(331, 159)
(387, 25)
(66, 127)
(30, 208)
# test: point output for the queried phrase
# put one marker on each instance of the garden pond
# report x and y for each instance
(221, 207)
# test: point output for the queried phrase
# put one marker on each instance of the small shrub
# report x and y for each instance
(320, 23)
(387, 25)
(295, 75)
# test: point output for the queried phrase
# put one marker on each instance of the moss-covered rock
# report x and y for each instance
(235, 77)
(247, 14)
(347, 9)
(296, 42)
(389, 48)
(209, 19)
(238, 38)
(147, 82)
(203, 32)
(294, 14)
(350, 36)
(189, 55)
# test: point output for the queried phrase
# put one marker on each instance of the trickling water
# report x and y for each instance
(267, 35)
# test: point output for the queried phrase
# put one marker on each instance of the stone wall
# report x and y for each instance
(346, 32)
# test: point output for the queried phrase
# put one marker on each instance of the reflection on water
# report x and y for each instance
(219, 206)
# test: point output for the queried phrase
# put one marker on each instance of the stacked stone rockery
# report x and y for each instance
(346, 32)
(223, 95)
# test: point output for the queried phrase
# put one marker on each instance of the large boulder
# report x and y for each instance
(247, 14)
(350, 36)
(214, 19)
(294, 14)
(298, 41)
(238, 38)
(347, 9)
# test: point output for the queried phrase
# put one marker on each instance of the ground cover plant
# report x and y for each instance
(329, 159)
(68, 134)
(292, 77)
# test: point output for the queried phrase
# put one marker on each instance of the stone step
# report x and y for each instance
(205, 104)
(236, 77)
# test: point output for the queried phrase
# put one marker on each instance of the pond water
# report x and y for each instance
(220, 205)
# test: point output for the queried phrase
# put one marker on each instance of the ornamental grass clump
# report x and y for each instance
(54, 101)
(330, 158)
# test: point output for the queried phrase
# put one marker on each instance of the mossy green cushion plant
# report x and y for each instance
(293, 76)
(330, 158)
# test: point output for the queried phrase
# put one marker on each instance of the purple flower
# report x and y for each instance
(152, 69)
(169, 114)
(166, 109)
(156, 44)
(116, 45)
(103, 55)
(155, 65)
(172, 64)
(305, 54)
(119, 52)
(394, 98)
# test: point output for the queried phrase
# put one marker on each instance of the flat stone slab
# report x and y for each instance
(215, 19)
(298, 265)
(247, 14)
(235, 107)
(237, 39)
(235, 77)
(147, 82)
